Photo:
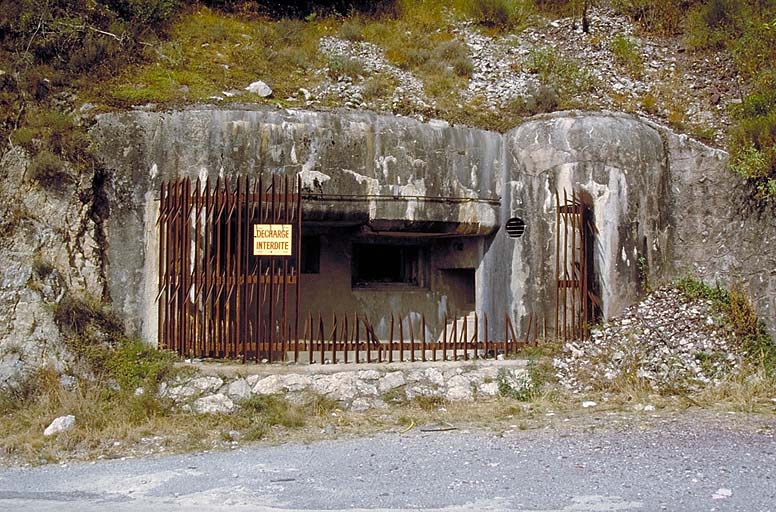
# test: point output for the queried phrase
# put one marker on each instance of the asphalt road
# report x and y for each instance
(686, 464)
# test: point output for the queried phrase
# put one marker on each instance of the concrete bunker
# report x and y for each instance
(422, 220)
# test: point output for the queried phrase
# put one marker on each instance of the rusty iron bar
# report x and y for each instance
(444, 341)
(423, 336)
(212, 292)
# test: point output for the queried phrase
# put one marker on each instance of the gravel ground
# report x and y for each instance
(701, 461)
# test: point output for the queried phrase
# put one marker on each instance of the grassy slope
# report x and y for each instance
(155, 51)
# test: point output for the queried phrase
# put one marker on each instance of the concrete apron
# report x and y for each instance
(231, 369)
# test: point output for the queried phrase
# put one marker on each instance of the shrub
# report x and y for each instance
(749, 331)
(49, 171)
(752, 140)
(560, 74)
(274, 410)
(664, 17)
(627, 54)
(379, 86)
(352, 30)
(498, 14)
(456, 54)
(345, 66)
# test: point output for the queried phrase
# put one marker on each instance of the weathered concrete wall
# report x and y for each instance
(620, 163)
(662, 203)
(385, 173)
(718, 233)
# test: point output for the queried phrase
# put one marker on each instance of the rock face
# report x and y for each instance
(48, 247)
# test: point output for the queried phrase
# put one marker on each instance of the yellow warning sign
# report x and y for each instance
(272, 240)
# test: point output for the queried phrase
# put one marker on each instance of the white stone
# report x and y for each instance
(296, 382)
(588, 403)
(489, 389)
(365, 388)
(390, 381)
(260, 88)
(361, 405)
(178, 393)
(649, 408)
(213, 404)
(238, 390)
(269, 385)
(459, 393)
(339, 386)
(435, 377)
(61, 424)
(369, 375)
(206, 383)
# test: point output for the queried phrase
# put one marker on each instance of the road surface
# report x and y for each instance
(677, 464)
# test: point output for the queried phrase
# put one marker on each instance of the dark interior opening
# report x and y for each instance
(311, 254)
(459, 283)
(385, 264)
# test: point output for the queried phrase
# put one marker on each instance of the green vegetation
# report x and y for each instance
(562, 83)
(740, 316)
(627, 54)
(118, 53)
(499, 14)
(746, 30)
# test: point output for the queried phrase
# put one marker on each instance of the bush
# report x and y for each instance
(752, 140)
(379, 86)
(498, 14)
(749, 331)
(345, 66)
(456, 55)
(627, 54)
(664, 17)
(352, 30)
(561, 75)
(49, 171)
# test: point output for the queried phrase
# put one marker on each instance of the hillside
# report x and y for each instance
(704, 68)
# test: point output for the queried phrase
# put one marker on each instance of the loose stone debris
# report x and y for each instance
(666, 341)
(357, 390)
(502, 71)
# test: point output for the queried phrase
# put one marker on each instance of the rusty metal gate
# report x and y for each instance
(576, 303)
(220, 294)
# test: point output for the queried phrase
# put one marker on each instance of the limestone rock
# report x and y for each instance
(206, 383)
(459, 388)
(488, 389)
(269, 385)
(369, 375)
(361, 405)
(390, 381)
(238, 390)
(260, 88)
(59, 425)
(339, 386)
(213, 404)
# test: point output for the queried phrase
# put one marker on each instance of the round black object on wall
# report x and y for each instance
(515, 227)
